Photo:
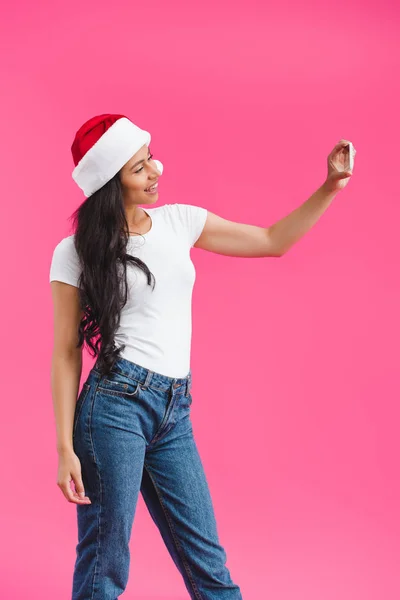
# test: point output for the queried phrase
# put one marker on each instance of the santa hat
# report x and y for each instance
(102, 146)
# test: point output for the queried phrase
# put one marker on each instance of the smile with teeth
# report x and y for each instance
(151, 188)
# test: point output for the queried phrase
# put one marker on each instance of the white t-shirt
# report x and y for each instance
(156, 325)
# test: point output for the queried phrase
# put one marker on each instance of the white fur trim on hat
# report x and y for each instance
(109, 154)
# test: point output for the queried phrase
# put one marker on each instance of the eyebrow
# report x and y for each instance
(138, 162)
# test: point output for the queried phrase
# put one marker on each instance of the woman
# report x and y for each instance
(123, 284)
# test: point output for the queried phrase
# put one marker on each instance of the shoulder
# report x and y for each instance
(65, 265)
(187, 217)
(66, 241)
(65, 247)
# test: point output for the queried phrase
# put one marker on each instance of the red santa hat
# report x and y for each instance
(102, 146)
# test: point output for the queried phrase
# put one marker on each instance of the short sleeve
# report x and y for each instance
(193, 218)
(65, 265)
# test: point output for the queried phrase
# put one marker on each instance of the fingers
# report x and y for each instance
(71, 495)
(339, 147)
(344, 143)
(79, 490)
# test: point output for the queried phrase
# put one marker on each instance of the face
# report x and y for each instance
(139, 173)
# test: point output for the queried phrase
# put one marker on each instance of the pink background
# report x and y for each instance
(295, 360)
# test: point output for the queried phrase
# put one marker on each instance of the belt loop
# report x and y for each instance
(147, 380)
(188, 383)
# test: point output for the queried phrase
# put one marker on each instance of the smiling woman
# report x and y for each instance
(130, 429)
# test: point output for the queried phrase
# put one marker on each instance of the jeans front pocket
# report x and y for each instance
(79, 404)
(118, 384)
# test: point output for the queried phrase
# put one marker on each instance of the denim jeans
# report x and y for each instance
(132, 432)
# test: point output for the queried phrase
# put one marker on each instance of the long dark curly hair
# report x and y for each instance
(101, 238)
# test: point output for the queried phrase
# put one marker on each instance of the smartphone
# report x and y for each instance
(349, 157)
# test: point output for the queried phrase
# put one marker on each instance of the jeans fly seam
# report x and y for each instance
(174, 536)
(164, 420)
(101, 493)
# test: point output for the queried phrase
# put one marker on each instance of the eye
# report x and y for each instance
(138, 171)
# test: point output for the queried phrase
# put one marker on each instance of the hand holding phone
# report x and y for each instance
(340, 166)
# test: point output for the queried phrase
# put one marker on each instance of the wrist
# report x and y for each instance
(327, 189)
(65, 448)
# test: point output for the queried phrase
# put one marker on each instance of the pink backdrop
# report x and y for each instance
(295, 360)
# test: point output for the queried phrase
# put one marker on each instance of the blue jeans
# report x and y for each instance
(132, 432)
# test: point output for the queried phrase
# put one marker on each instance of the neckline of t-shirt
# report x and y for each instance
(151, 228)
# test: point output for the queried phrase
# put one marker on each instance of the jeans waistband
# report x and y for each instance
(146, 377)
